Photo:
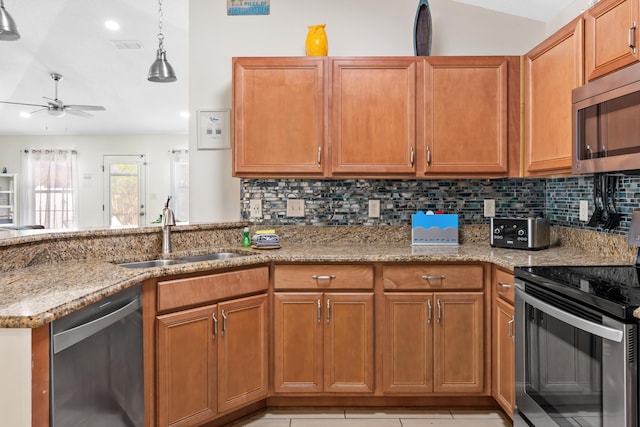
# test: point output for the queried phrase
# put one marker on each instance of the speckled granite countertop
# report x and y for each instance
(35, 295)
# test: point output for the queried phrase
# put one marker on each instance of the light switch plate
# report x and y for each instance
(255, 206)
(374, 208)
(295, 207)
(584, 210)
(489, 208)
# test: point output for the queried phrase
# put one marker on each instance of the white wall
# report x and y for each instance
(91, 149)
(574, 9)
(354, 27)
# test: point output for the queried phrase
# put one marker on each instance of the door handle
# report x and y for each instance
(319, 311)
(631, 37)
(328, 310)
(430, 310)
(413, 155)
(319, 156)
(224, 322)
(510, 329)
(439, 311)
(428, 156)
(215, 325)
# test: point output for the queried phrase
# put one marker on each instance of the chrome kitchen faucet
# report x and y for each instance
(168, 220)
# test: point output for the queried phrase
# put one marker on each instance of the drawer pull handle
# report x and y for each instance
(215, 325)
(316, 277)
(433, 277)
(504, 285)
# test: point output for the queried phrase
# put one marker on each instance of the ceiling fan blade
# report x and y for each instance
(22, 103)
(87, 107)
(38, 110)
(77, 112)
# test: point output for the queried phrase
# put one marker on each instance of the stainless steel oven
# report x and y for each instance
(575, 362)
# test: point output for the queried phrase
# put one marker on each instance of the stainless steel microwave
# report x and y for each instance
(606, 123)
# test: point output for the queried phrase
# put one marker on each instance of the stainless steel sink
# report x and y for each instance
(152, 263)
(212, 257)
(183, 260)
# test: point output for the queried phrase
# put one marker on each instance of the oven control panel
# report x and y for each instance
(520, 233)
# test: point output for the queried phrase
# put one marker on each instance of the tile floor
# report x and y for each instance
(365, 417)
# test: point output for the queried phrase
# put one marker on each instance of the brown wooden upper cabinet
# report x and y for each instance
(376, 117)
(279, 116)
(551, 71)
(466, 116)
(611, 36)
(373, 110)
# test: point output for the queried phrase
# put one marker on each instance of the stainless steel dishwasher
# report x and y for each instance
(96, 364)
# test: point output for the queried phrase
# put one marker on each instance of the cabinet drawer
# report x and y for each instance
(503, 284)
(323, 276)
(433, 276)
(204, 289)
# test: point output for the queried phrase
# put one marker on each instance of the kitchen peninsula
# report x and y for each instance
(48, 275)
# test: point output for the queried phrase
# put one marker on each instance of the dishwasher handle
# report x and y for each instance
(65, 339)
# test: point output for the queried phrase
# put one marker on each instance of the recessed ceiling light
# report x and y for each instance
(112, 25)
(184, 115)
(25, 115)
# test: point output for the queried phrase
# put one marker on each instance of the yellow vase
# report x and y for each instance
(316, 43)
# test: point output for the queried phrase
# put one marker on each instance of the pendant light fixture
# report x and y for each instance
(161, 71)
(8, 27)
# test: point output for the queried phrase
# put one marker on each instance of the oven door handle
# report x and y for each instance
(573, 320)
(65, 339)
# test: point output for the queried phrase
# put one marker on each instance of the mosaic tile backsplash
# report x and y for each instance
(345, 202)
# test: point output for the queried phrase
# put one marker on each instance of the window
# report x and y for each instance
(49, 188)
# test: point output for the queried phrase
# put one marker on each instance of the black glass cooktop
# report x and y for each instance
(612, 289)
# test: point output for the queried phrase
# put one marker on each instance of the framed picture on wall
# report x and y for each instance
(213, 129)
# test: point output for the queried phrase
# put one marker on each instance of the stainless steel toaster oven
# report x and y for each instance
(520, 233)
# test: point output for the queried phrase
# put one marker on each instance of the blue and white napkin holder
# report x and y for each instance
(434, 229)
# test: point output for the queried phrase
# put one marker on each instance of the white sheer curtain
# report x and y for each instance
(180, 184)
(49, 189)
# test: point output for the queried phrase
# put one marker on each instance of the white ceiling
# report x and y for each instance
(69, 37)
(539, 10)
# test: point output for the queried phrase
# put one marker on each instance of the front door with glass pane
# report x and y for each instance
(124, 190)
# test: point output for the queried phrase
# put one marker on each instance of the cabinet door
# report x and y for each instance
(186, 363)
(348, 343)
(611, 36)
(242, 352)
(466, 116)
(279, 115)
(551, 71)
(459, 342)
(298, 330)
(373, 116)
(408, 343)
(503, 356)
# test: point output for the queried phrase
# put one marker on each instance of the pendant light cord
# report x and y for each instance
(160, 34)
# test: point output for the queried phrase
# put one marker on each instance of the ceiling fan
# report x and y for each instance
(56, 108)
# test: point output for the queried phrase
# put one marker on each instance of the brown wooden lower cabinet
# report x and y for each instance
(434, 342)
(211, 360)
(323, 342)
(504, 356)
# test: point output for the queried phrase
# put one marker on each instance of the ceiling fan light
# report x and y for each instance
(8, 27)
(161, 71)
